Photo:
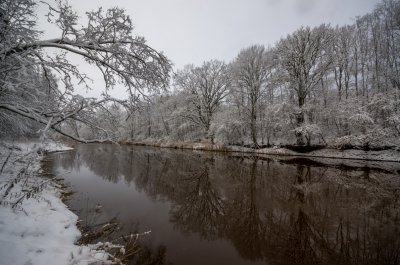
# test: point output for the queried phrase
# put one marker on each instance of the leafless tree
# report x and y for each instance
(106, 42)
(342, 59)
(249, 76)
(206, 87)
(303, 56)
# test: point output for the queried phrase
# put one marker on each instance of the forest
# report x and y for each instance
(66, 195)
(334, 86)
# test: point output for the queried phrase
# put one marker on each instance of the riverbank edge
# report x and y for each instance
(103, 252)
(45, 221)
(99, 253)
(331, 153)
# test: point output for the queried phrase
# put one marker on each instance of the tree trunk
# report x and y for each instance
(300, 121)
(253, 128)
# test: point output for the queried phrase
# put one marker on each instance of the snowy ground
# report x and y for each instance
(36, 227)
(386, 155)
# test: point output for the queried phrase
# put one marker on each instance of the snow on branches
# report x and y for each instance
(106, 42)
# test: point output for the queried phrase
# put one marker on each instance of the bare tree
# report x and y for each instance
(106, 42)
(206, 87)
(249, 75)
(304, 58)
(342, 59)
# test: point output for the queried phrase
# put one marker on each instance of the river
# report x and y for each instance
(226, 208)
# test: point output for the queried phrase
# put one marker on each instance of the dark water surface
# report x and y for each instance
(213, 208)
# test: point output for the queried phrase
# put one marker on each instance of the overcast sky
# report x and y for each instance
(193, 31)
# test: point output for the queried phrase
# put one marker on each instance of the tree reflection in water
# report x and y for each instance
(244, 225)
(199, 208)
(278, 212)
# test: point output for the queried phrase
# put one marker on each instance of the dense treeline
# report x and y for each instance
(326, 85)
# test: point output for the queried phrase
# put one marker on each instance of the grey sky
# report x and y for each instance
(193, 31)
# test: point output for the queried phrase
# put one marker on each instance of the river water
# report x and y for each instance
(225, 208)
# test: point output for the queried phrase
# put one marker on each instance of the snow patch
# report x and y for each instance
(36, 227)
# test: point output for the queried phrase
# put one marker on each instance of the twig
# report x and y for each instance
(5, 162)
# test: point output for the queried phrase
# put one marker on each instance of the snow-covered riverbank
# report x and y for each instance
(385, 155)
(36, 227)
